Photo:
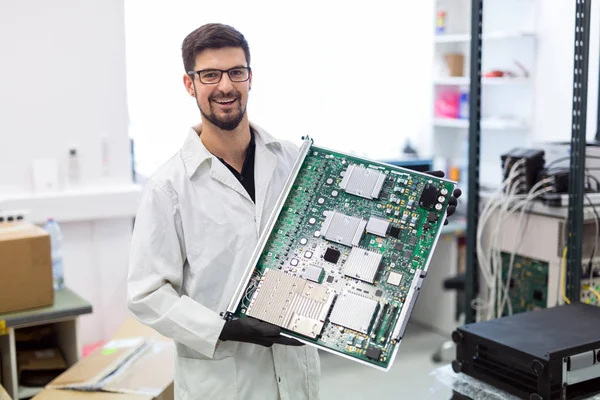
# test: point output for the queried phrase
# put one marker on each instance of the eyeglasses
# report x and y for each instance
(213, 76)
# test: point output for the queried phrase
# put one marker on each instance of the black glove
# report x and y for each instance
(250, 330)
(453, 200)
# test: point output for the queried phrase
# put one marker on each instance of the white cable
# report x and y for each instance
(484, 263)
(522, 205)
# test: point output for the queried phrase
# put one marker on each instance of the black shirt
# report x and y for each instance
(246, 178)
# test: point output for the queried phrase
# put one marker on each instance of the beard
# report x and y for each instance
(230, 120)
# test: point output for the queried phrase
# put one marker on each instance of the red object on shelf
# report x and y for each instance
(446, 104)
(494, 74)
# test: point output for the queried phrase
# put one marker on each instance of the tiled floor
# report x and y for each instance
(408, 379)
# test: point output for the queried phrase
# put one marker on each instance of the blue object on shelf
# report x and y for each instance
(463, 105)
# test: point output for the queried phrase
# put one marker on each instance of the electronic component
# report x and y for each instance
(353, 312)
(428, 196)
(314, 273)
(362, 264)
(432, 217)
(378, 226)
(545, 354)
(331, 255)
(395, 232)
(343, 229)
(363, 182)
(528, 171)
(373, 353)
(291, 302)
(394, 278)
(322, 231)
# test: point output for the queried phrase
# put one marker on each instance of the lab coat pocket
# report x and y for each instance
(208, 379)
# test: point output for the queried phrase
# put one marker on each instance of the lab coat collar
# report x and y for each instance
(194, 153)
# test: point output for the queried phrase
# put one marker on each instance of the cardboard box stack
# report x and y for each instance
(25, 268)
(137, 364)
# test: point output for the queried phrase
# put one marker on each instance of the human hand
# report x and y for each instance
(250, 330)
(453, 200)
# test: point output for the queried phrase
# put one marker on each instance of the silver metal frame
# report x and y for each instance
(417, 278)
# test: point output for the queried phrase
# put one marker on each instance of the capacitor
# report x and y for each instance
(441, 199)
(334, 193)
(329, 181)
(444, 191)
(312, 221)
(321, 200)
(438, 207)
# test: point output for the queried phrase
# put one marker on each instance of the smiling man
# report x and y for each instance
(197, 225)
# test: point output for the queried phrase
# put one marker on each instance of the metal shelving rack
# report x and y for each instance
(578, 142)
(577, 164)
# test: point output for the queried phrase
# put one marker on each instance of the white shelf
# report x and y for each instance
(466, 37)
(489, 123)
(85, 204)
(465, 81)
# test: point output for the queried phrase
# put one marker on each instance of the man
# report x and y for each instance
(198, 222)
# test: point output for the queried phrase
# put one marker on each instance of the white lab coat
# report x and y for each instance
(195, 231)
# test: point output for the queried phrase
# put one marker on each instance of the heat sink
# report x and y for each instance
(362, 264)
(353, 312)
(343, 229)
(291, 302)
(363, 182)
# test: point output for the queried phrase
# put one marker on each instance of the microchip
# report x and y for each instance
(432, 217)
(429, 196)
(394, 278)
(373, 353)
(378, 293)
(426, 226)
(407, 254)
(378, 226)
(399, 246)
(395, 232)
(332, 255)
(413, 240)
(330, 279)
(538, 295)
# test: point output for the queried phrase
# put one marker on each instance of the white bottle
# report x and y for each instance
(73, 167)
(56, 247)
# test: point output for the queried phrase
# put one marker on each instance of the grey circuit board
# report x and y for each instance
(345, 253)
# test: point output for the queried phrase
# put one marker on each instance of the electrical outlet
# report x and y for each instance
(13, 216)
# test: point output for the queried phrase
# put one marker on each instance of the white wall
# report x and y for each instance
(554, 78)
(62, 80)
(353, 75)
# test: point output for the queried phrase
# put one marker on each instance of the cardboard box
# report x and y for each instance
(137, 364)
(25, 268)
(3, 394)
(39, 367)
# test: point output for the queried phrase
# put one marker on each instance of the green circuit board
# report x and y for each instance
(342, 257)
(528, 288)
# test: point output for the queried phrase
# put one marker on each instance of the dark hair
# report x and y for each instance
(211, 36)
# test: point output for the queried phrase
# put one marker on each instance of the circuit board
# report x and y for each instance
(347, 254)
(528, 288)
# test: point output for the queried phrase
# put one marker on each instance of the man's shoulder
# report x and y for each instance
(169, 174)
